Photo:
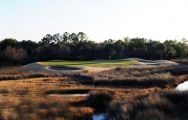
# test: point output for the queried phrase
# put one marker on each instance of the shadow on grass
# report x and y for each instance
(129, 83)
(133, 83)
(65, 92)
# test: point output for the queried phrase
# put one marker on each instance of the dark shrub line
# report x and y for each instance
(23, 76)
(133, 83)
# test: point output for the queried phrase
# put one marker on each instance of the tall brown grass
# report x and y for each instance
(29, 98)
(161, 106)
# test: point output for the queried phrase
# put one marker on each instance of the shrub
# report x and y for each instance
(99, 100)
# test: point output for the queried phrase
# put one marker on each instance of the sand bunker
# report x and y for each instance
(147, 63)
(35, 67)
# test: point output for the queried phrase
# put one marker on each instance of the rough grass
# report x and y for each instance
(99, 63)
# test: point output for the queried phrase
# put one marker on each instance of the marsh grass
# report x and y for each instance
(22, 98)
(123, 78)
(161, 106)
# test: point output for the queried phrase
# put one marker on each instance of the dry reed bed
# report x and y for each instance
(28, 97)
(161, 106)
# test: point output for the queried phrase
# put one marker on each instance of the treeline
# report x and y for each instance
(72, 46)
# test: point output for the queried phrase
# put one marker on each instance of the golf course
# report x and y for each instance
(60, 66)
(93, 60)
(89, 90)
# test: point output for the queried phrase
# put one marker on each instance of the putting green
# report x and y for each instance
(98, 63)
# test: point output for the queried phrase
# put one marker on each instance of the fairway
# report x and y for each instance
(96, 63)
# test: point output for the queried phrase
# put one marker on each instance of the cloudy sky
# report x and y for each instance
(99, 19)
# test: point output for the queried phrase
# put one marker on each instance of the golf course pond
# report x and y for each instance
(98, 116)
(183, 86)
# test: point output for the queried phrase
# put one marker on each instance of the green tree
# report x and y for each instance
(161, 49)
(66, 37)
(82, 36)
(119, 47)
(47, 40)
(8, 42)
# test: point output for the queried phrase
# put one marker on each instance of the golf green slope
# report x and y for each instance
(97, 63)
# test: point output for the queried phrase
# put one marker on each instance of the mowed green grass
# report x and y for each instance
(98, 63)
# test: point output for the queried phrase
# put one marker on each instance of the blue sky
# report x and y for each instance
(99, 19)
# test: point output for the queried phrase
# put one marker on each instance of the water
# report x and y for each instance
(98, 116)
(69, 95)
(182, 86)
